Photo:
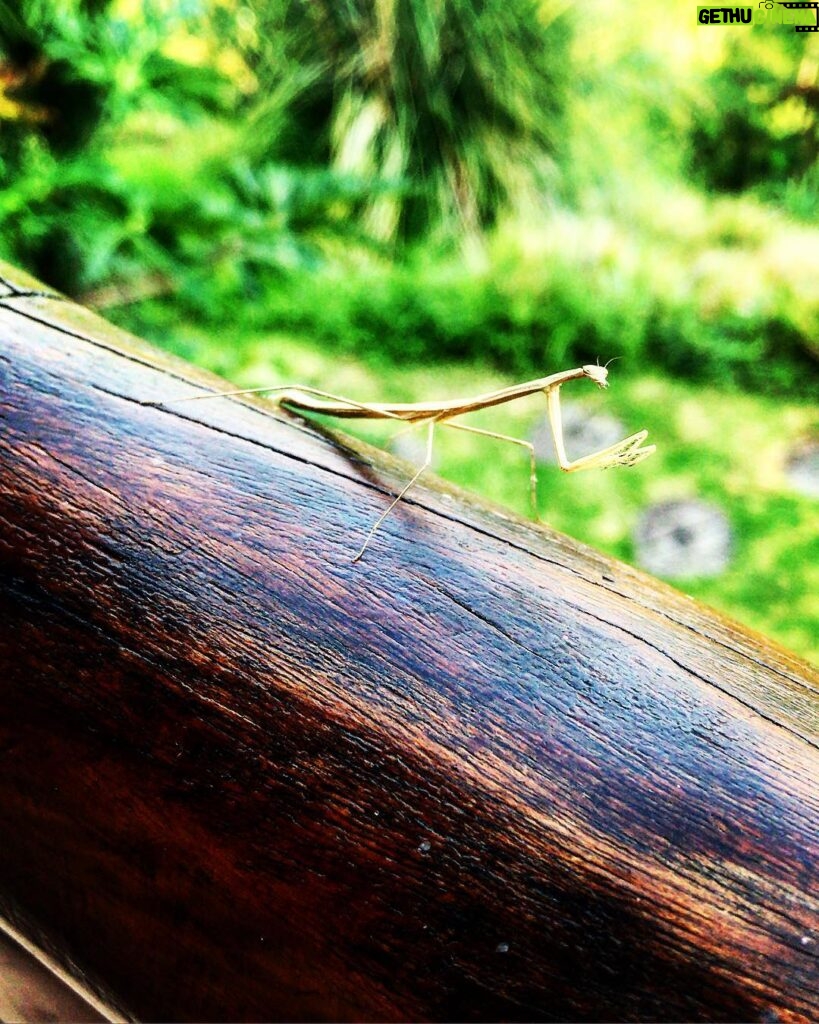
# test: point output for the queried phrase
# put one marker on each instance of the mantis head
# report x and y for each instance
(598, 374)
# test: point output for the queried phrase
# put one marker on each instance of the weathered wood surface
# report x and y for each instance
(485, 773)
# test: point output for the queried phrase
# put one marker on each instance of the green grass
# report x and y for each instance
(721, 446)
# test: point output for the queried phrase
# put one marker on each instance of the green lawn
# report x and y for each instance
(725, 447)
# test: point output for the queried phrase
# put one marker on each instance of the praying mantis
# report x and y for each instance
(301, 398)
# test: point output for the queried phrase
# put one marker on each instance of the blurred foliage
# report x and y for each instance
(757, 119)
(738, 310)
(261, 161)
(72, 74)
(119, 159)
(408, 92)
(322, 123)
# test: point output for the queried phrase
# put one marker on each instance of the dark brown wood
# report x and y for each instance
(485, 773)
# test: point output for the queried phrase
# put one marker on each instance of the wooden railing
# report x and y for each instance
(485, 773)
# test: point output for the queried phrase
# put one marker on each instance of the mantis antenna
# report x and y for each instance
(300, 398)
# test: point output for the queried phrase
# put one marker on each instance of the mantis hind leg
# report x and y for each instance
(422, 469)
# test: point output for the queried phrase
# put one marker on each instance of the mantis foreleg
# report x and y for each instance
(625, 453)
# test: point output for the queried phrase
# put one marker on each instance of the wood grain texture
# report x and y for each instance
(485, 773)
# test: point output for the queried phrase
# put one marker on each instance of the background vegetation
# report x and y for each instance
(408, 196)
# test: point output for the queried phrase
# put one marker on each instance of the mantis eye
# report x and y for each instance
(598, 374)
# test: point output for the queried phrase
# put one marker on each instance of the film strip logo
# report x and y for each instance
(801, 6)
